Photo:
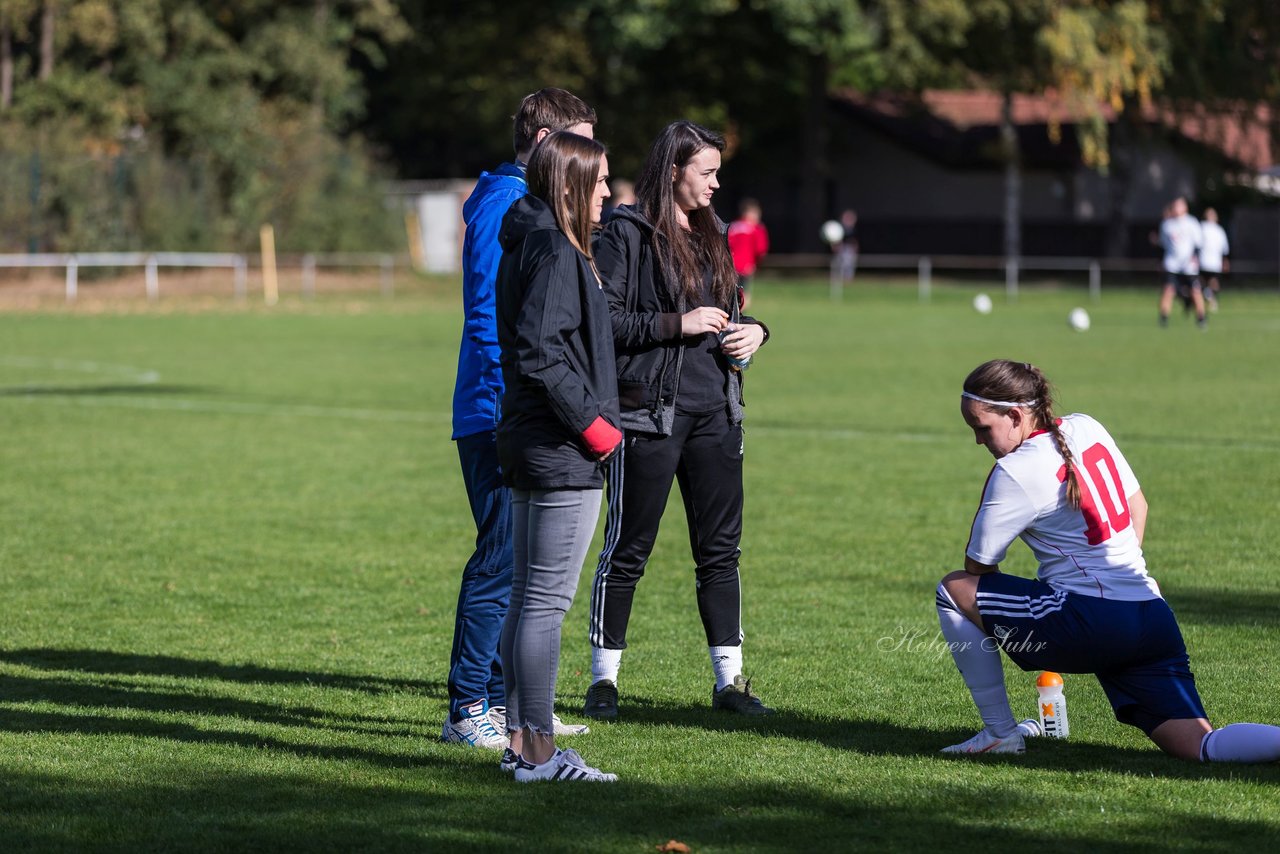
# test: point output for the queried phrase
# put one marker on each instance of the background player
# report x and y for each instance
(748, 243)
(844, 252)
(623, 192)
(1180, 238)
(1214, 250)
(1063, 486)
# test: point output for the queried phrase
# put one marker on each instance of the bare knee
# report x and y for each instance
(962, 587)
(1181, 737)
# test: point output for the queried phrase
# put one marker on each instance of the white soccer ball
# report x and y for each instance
(1078, 320)
(982, 304)
(832, 231)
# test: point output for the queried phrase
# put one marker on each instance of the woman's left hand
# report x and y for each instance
(743, 340)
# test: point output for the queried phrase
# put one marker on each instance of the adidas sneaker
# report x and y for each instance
(563, 765)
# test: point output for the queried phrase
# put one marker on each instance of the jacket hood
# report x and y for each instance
(527, 215)
(632, 214)
(508, 176)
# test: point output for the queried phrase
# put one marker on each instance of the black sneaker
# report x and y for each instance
(737, 697)
(602, 701)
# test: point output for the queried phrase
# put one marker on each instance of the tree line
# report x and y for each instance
(188, 123)
(145, 124)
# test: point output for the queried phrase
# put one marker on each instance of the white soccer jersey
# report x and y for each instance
(1093, 550)
(1213, 246)
(1180, 238)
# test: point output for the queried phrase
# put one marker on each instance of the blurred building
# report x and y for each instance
(926, 176)
(433, 221)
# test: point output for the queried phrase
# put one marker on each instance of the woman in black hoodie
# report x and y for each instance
(559, 422)
(680, 346)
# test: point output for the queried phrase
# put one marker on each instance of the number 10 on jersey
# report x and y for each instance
(1100, 479)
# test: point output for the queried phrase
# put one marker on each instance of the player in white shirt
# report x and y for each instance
(1064, 488)
(1214, 250)
(1180, 238)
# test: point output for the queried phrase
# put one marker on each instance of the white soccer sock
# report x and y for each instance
(605, 664)
(979, 663)
(1241, 743)
(726, 662)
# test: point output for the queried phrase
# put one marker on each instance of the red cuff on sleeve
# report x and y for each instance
(601, 437)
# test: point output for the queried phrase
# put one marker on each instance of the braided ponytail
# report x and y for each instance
(1001, 383)
(1045, 418)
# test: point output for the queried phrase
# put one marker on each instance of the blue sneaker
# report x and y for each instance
(475, 729)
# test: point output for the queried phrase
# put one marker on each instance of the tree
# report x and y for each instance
(836, 41)
(48, 14)
(1228, 60)
(15, 25)
(195, 123)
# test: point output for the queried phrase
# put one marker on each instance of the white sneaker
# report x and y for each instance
(498, 715)
(563, 765)
(510, 759)
(563, 728)
(985, 742)
(1030, 728)
(474, 730)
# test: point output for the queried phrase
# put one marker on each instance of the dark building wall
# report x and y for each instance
(910, 203)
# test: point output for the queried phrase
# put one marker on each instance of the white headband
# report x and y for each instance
(1028, 403)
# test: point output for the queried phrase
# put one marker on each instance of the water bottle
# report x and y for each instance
(1053, 705)
(734, 364)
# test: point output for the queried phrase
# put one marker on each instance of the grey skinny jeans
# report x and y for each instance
(551, 533)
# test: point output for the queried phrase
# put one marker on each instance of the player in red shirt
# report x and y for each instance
(748, 243)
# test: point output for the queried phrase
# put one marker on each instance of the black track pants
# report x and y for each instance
(704, 453)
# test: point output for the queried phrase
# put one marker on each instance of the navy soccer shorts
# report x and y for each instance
(1134, 648)
(1184, 283)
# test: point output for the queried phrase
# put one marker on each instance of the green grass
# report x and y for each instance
(229, 588)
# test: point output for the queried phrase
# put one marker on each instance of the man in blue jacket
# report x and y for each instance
(477, 701)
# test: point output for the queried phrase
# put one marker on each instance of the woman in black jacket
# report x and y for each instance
(680, 346)
(559, 422)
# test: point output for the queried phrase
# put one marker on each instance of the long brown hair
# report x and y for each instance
(683, 255)
(563, 172)
(1023, 384)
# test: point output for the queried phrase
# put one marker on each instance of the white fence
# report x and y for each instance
(925, 266)
(239, 264)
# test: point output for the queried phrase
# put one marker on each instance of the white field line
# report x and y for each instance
(404, 416)
(230, 407)
(119, 373)
(234, 407)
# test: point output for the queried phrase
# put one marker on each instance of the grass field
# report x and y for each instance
(231, 542)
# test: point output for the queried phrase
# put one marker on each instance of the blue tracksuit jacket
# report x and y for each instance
(477, 394)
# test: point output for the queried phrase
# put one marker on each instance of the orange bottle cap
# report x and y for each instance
(1048, 679)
